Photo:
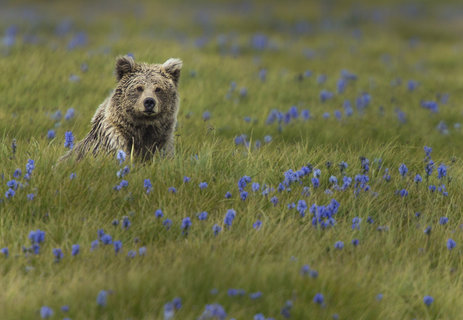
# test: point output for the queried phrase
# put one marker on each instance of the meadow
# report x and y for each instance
(317, 175)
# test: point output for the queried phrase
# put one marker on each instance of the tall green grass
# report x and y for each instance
(394, 256)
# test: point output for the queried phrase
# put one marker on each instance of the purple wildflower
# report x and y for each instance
(203, 185)
(68, 140)
(428, 300)
(206, 115)
(216, 229)
(167, 223)
(117, 246)
(229, 217)
(75, 249)
(301, 207)
(318, 298)
(102, 298)
(257, 224)
(121, 156)
(441, 171)
(147, 185)
(403, 170)
(339, 245)
(274, 200)
(451, 244)
(46, 312)
(159, 214)
(58, 253)
(5, 252)
(202, 215)
(186, 224)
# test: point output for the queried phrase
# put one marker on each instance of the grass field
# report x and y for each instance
(286, 106)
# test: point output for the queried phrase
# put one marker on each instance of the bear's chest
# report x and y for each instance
(149, 139)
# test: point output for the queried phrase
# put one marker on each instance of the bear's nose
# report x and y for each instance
(149, 104)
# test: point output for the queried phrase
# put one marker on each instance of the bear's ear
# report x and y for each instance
(124, 65)
(172, 67)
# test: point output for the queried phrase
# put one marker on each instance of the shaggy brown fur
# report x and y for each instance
(123, 121)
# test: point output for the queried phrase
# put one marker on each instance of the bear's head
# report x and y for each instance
(146, 92)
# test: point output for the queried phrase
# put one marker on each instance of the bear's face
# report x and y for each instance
(148, 94)
(147, 91)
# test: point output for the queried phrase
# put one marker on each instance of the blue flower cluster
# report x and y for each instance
(68, 140)
(323, 216)
(14, 184)
(172, 306)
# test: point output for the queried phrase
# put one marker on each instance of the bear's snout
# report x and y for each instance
(149, 104)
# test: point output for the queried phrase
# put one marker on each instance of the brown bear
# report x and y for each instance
(140, 115)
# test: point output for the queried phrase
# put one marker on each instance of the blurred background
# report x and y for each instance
(62, 54)
(231, 27)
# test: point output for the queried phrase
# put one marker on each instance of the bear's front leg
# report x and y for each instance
(169, 150)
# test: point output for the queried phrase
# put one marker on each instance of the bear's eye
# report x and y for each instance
(157, 89)
(139, 88)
